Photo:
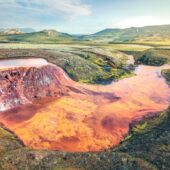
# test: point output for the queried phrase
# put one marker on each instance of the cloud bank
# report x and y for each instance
(66, 8)
(138, 21)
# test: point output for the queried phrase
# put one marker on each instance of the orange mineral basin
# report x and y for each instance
(89, 117)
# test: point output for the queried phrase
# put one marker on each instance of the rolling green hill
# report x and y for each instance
(134, 34)
(45, 36)
(155, 35)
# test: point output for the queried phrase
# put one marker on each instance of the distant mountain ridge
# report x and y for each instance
(131, 34)
(16, 30)
(11, 31)
(147, 34)
(45, 36)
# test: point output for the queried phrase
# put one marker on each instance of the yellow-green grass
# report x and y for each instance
(153, 41)
(120, 47)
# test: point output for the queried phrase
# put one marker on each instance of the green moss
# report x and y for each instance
(146, 125)
(5, 134)
(154, 57)
(150, 142)
(166, 74)
(164, 148)
(140, 127)
(8, 141)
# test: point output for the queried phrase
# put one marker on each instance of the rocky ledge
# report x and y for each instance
(24, 84)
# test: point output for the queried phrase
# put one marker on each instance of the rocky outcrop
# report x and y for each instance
(23, 85)
(12, 31)
(51, 33)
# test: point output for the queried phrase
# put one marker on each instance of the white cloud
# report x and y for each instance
(137, 22)
(67, 8)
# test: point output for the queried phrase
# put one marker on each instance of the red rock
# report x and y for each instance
(23, 85)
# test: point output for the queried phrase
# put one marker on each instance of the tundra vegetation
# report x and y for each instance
(154, 57)
(166, 74)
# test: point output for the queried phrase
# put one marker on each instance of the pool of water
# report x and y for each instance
(29, 62)
(89, 117)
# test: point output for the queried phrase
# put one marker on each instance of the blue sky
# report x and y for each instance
(83, 16)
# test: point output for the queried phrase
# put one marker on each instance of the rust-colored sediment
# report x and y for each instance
(83, 117)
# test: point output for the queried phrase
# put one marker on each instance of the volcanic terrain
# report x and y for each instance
(47, 110)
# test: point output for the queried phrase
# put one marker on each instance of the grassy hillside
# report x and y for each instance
(145, 35)
(152, 35)
(46, 36)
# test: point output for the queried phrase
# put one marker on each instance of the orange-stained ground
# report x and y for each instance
(91, 117)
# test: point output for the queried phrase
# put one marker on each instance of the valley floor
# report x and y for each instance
(147, 146)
